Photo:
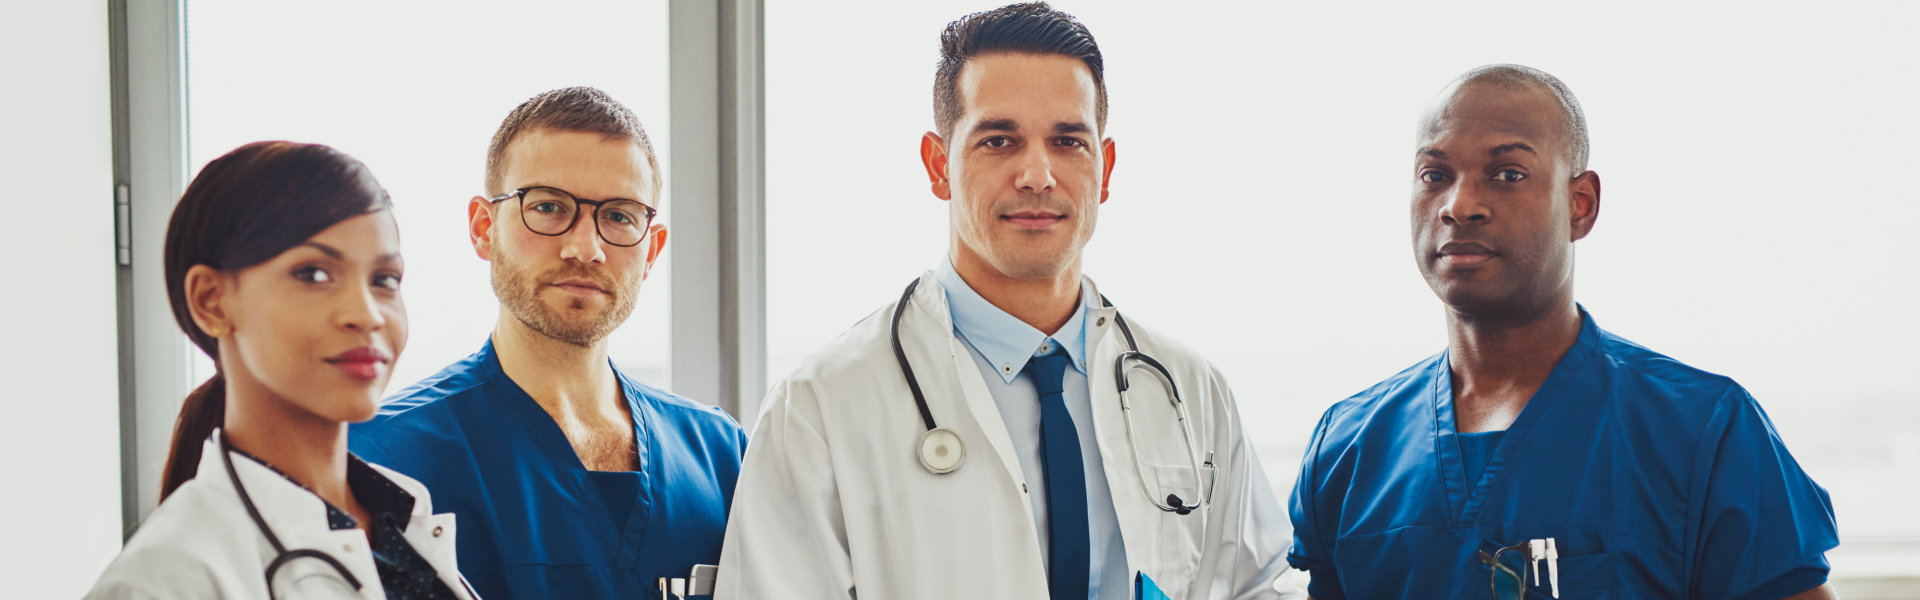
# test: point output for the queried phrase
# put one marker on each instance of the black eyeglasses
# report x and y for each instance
(1511, 564)
(552, 211)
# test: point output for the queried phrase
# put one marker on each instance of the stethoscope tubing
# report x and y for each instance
(281, 556)
(1172, 503)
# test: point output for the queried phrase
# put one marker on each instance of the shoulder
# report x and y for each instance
(850, 356)
(180, 548)
(681, 411)
(1387, 402)
(428, 409)
(1664, 389)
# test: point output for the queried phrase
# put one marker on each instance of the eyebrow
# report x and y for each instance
(335, 254)
(1010, 125)
(998, 125)
(1431, 152)
(1505, 148)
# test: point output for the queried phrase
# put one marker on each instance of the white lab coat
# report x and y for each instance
(200, 543)
(832, 500)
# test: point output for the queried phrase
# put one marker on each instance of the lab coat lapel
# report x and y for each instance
(299, 519)
(1138, 519)
(429, 534)
(930, 334)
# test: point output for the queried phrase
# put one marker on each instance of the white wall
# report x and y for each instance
(60, 491)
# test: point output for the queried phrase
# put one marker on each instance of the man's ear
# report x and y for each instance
(656, 243)
(1106, 168)
(207, 291)
(480, 226)
(933, 154)
(1583, 197)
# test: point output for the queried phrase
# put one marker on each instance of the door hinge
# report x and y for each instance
(123, 224)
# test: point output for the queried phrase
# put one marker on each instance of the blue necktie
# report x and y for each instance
(1066, 479)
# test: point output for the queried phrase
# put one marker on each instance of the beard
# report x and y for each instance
(574, 321)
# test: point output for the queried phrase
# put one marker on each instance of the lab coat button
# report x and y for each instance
(1100, 322)
(1023, 488)
(438, 530)
(1006, 368)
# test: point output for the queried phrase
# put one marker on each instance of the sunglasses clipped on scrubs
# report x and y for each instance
(942, 452)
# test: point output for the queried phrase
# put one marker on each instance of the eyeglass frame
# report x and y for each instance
(521, 193)
(1493, 561)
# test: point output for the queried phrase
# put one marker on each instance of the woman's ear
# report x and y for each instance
(206, 291)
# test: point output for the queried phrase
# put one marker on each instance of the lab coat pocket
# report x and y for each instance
(1181, 536)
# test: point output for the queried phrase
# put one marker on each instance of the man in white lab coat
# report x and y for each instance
(969, 441)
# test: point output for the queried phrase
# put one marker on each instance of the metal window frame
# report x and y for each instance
(718, 297)
(147, 40)
(719, 273)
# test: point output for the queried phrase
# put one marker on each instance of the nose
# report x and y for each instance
(582, 243)
(358, 311)
(1463, 205)
(1035, 173)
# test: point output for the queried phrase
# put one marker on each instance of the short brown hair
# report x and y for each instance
(583, 109)
(1031, 28)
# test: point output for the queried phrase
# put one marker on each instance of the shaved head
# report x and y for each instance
(1573, 122)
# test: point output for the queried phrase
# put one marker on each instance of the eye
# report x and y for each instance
(998, 141)
(389, 281)
(620, 217)
(1509, 176)
(1433, 176)
(313, 275)
(1071, 142)
(546, 207)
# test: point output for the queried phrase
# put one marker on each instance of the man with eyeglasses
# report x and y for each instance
(569, 478)
(1540, 456)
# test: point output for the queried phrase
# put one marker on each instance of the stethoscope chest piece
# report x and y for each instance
(941, 451)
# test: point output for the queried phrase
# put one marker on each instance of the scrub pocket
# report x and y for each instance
(1582, 577)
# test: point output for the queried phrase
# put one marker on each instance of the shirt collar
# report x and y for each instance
(1007, 342)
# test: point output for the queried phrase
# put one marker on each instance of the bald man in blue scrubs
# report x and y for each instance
(1540, 456)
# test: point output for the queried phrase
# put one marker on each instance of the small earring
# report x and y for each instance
(216, 331)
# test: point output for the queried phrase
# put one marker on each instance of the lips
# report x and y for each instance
(582, 287)
(1033, 219)
(1465, 253)
(363, 363)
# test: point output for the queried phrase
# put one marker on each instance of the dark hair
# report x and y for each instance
(243, 209)
(1574, 122)
(582, 109)
(1031, 28)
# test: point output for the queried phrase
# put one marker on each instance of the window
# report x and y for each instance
(1753, 196)
(416, 90)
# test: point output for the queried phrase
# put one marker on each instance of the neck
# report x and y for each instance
(1045, 304)
(565, 379)
(1498, 363)
(307, 447)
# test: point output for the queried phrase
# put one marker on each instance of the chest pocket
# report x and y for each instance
(1181, 536)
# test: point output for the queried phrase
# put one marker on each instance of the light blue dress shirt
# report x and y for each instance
(1001, 346)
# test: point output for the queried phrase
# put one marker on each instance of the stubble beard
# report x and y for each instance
(519, 293)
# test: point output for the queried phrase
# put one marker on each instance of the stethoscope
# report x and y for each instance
(942, 452)
(281, 555)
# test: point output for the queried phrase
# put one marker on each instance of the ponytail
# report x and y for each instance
(204, 410)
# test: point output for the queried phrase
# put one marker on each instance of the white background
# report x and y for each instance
(60, 404)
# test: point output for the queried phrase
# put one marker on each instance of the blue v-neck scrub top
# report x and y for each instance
(531, 521)
(1655, 479)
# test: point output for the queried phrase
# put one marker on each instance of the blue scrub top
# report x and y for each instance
(531, 520)
(1655, 479)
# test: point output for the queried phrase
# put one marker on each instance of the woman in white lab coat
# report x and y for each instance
(282, 263)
